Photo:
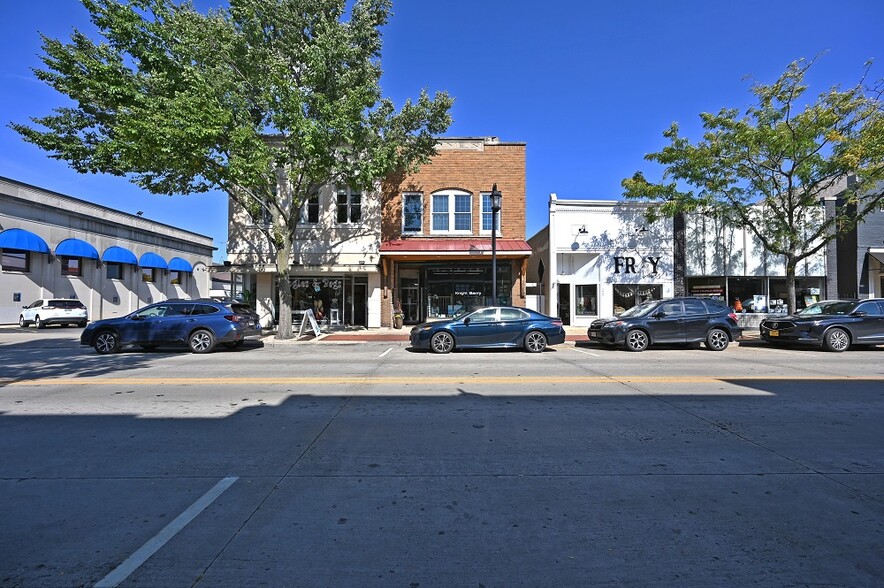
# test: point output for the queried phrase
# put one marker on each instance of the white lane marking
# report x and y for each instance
(386, 352)
(134, 561)
(586, 352)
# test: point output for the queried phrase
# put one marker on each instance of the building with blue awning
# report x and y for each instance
(57, 246)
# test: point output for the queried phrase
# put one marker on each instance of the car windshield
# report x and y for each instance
(828, 307)
(638, 310)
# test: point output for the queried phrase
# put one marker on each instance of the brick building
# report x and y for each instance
(436, 241)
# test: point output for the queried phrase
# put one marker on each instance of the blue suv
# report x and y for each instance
(198, 324)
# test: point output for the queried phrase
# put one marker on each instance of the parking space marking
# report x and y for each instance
(134, 561)
(586, 352)
(386, 352)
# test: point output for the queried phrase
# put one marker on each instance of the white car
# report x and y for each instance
(53, 311)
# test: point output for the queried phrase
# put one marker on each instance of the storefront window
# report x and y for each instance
(707, 287)
(70, 266)
(321, 295)
(114, 271)
(451, 289)
(587, 299)
(15, 261)
(628, 295)
(807, 291)
(147, 274)
(750, 293)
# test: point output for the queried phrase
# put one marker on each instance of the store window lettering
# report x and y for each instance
(628, 264)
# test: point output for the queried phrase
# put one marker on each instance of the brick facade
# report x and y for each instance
(471, 165)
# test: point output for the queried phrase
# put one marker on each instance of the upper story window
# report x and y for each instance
(452, 212)
(349, 207)
(412, 212)
(14, 260)
(310, 211)
(488, 214)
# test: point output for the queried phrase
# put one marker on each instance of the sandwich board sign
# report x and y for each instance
(309, 316)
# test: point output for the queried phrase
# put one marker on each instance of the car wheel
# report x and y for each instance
(442, 342)
(717, 340)
(82, 324)
(106, 342)
(234, 344)
(38, 322)
(637, 340)
(201, 341)
(22, 322)
(535, 342)
(836, 340)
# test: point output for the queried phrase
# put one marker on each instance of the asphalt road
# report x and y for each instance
(330, 464)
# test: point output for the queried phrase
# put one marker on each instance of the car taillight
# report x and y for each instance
(234, 318)
(733, 316)
(556, 323)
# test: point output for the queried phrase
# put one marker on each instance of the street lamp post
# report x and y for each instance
(495, 208)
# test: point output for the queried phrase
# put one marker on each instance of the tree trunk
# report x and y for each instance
(284, 287)
(790, 284)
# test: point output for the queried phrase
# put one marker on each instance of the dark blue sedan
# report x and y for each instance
(494, 326)
(198, 324)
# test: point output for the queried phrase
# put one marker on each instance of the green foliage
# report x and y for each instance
(768, 169)
(183, 102)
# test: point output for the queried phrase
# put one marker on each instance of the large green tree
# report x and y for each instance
(268, 101)
(768, 169)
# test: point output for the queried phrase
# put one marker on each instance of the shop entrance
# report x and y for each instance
(359, 304)
(565, 303)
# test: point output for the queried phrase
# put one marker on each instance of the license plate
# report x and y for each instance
(593, 333)
(774, 333)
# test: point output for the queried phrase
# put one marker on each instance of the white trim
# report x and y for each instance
(452, 212)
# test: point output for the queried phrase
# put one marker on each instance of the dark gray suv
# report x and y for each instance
(675, 320)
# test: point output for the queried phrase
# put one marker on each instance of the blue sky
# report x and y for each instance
(589, 86)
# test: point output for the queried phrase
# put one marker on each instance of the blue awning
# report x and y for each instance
(76, 248)
(119, 255)
(22, 240)
(176, 264)
(153, 260)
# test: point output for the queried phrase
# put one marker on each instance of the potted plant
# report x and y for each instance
(398, 317)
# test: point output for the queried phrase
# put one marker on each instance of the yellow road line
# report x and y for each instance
(419, 380)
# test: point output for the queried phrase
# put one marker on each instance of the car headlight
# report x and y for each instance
(426, 328)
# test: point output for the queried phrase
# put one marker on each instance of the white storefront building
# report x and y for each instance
(599, 257)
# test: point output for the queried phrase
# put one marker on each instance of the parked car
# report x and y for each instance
(493, 326)
(53, 311)
(674, 320)
(834, 325)
(198, 324)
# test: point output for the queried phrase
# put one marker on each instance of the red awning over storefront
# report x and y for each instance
(424, 246)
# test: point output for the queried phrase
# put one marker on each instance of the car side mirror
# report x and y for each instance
(659, 314)
(466, 321)
(137, 317)
(858, 313)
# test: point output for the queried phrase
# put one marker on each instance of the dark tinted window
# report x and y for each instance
(67, 304)
(484, 316)
(671, 308)
(242, 309)
(870, 308)
(204, 309)
(512, 314)
(715, 305)
(694, 307)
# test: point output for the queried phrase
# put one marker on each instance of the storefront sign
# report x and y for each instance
(628, 264)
